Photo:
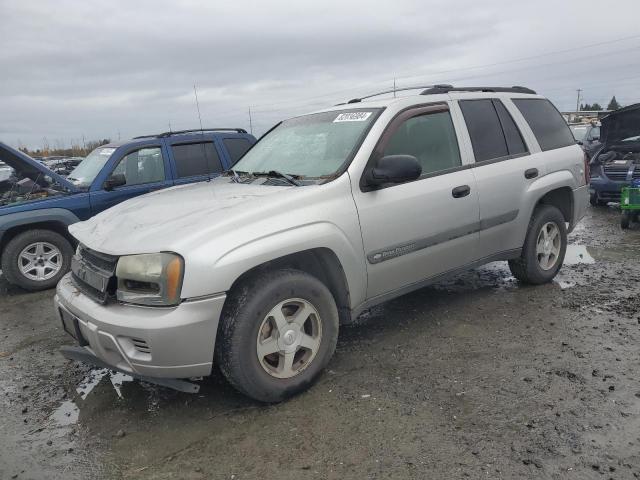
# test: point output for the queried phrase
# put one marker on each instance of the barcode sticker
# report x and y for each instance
(352, 117)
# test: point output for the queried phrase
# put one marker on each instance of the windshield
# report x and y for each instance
(311, 146)
(83, 175)
(578, 131)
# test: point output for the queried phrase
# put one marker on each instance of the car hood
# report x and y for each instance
(31, 168)
(621, 124)
(178, 217)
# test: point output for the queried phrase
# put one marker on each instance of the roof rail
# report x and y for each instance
(418, 87)
(436, 89)
(195, 130)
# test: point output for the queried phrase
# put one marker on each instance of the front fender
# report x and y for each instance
(57, 215)
(205, 278)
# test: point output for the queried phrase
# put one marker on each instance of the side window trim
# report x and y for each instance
(391, 128)
(495, 101)
(129, 151)
(527, 134)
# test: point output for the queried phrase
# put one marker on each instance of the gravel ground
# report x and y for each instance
(478, 377)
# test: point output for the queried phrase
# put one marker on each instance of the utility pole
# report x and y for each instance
(578, 100)
(169, 125)
(394, 87)
(250, 122)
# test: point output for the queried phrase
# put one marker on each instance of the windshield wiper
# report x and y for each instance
(277, 174)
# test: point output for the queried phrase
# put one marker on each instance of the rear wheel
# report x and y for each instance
(625, 219)
(278, 331)
(36, 259)
(544, 247)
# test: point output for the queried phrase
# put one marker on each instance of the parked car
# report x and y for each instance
(62, 166)
(37, 204)
(617, 163)
(590, 141)
(326, 216)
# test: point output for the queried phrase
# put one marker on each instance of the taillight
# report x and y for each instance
(587, 172)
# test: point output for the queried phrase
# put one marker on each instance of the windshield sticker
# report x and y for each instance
(352, 117)
(107, 151)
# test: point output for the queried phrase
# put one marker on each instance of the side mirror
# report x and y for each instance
(394, 169)
(579, 142)
(114, 181)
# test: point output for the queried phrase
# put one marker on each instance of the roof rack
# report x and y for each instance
(195, 130)
(358, 100)
(444, 88)
(436, 89)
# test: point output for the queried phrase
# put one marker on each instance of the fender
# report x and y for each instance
(544, 185)
(220, 276)
(58, 215)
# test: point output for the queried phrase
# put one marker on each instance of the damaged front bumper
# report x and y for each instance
(144, 342)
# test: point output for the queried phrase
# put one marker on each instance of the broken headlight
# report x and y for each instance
(153, 279)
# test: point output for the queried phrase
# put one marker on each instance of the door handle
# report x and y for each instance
(461, 191)
(531, 173)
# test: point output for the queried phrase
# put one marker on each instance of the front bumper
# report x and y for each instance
(172, 342)
(607, 190)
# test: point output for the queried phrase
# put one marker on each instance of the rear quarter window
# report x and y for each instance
(545, 121)
(236, 147)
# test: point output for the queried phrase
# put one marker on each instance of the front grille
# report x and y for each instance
(616, 173)
(101, 261)
(93, 273)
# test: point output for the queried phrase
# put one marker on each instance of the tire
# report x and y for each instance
(531, 267)
(247, 314)
(625, 220)
(55, 248)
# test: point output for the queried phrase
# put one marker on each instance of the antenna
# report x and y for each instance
(195, 92)
(394, 87)
(250, 121)
(204, 150)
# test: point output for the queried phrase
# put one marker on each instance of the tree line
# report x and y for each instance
(75, 150)
(613, 105)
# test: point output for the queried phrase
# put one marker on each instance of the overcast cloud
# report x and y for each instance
(124, 68)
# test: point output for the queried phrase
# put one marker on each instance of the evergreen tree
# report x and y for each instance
(613, 104)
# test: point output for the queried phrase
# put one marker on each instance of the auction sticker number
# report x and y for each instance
(352, 117)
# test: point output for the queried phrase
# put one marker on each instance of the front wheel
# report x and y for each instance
(544, 247)
(36, 259)
(278, 331)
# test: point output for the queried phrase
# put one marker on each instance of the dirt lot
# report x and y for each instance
(478, 377)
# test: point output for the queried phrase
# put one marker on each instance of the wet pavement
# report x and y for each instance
(476, 377)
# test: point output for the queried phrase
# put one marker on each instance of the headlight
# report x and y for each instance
(150, 279)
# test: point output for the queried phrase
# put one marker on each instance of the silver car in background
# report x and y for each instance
(326, 216)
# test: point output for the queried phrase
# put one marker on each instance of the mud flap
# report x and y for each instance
(81, 354)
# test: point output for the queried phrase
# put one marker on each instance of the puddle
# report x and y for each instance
(68, 412)
(577, 254)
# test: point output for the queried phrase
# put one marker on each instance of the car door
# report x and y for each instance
(139, 171)
(195, 161)
(419, 229)
(503, 169)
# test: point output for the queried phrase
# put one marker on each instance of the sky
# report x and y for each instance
(93, 69)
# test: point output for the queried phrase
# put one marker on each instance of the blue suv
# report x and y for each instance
(37, 205)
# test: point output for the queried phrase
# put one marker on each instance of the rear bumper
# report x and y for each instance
(176, 342)
(580, 205)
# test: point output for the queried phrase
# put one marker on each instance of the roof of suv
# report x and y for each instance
(179, 134)
(434, 93)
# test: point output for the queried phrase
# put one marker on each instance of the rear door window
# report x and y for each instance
(545, 121)
(196, 159)
(236, 147)
(484, 128)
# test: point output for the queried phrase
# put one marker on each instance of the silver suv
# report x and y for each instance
(326, 216)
